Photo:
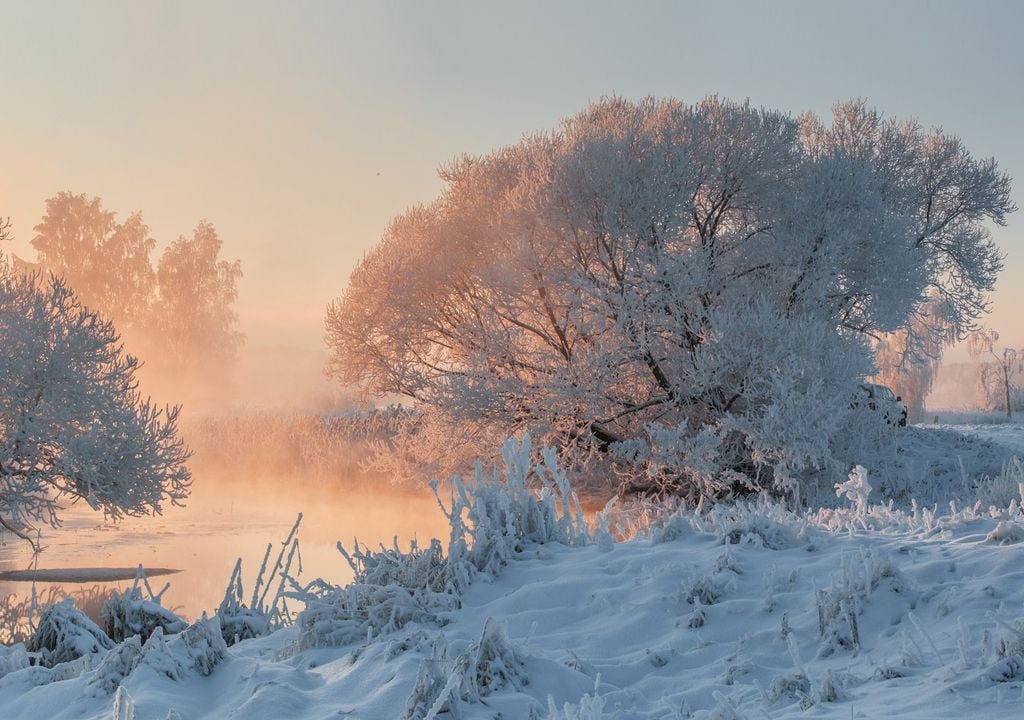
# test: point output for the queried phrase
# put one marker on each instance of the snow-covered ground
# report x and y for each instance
(747, 612)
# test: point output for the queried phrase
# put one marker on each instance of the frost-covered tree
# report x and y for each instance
(997, 369)
(908, 359)
(691, 290)
(72, 423)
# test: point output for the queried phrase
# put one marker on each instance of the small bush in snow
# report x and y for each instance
(1009, 665)
(197, 649)
(839, 606)
(339, 616)
(126, 614)
(431, 681)
(13, 658)
(494, 663)
(590, 707)
(115, 666)
(390, 589)
(856, 489)
(64, 633)
(486, 666)
(764, 523)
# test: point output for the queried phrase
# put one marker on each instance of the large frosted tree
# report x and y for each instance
(688, 293)
(73, 425)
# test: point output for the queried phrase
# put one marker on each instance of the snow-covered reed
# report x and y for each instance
(492, 519)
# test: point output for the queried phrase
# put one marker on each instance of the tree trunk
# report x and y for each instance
(1006, 386)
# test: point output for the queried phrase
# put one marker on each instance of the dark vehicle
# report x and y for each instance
(881, 397)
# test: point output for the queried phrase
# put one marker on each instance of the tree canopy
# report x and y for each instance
(693, 291)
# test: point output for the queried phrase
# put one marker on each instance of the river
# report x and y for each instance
(223, 522)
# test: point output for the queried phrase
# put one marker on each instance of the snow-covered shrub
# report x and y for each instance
(486, 666)
(857, 489)
(704, 590)
(431, 682)
(1009, 665)
(1006, 532)
(494, 663)
(839, 606)
(336, 616)
(13, 658)
(1001, 490)
(390, 589)
(590, 707)
(493, 518)
(131, 613)
(196, 649)
(20, 614)
(764, 522)
(64, 633)
(116, 665)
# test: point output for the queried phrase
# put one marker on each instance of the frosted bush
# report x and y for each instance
(839, 606)
(195, 650)
(856, 488)
(128, 613)
(764, 522)
(431, 681)
(13, 658)
(338, 616)
(488, 665)
(590, 707)
(1005, 488)
(64, 633)
(494, 663)
(493, 520)
(115, 666)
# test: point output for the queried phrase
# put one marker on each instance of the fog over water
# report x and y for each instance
(230, 517)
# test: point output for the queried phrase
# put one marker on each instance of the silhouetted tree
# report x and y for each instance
(106, 263)
(194, 311)
(997, 369)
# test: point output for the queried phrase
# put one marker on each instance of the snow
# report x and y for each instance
(745, 611)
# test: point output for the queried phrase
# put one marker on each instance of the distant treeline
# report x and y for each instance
(177, 314)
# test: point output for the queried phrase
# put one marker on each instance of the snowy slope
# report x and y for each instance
(714, 617)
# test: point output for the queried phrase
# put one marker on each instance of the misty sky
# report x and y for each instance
(300, 128)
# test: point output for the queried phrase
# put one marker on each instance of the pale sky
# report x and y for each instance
(300, 128)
